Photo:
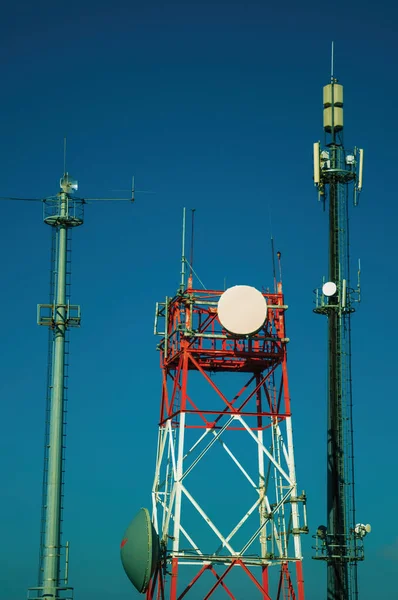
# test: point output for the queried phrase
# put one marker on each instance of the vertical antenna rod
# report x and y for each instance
(340, 542)
(272, 248)
(273, 261)
(192, 240)
(64, 155)
(183, 260)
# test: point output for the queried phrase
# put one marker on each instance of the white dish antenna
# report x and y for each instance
(242, 310)
(329, 288)
(68, 184)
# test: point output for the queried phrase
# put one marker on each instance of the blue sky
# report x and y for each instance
(212, 105)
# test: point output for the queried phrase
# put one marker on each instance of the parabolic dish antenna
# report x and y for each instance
(68, 184)
(242, 310)
(329, 288)
(139, 550)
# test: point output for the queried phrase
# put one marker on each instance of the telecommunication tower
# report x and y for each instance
(62, 212)
(225, 394)
(336, 170)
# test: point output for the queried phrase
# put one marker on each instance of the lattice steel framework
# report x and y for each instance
(225, 396)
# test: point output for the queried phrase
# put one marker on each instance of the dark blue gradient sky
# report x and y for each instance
(212, 105)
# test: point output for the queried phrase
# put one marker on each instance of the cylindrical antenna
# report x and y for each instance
(332, 63)
(317, 164)
(182, 284)
(192, 240)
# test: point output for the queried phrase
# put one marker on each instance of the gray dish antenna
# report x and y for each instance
(68, 184)
(140, 550)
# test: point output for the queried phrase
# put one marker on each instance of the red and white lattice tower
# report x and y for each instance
(225, 499)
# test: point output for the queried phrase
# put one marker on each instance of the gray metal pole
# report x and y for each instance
(52, 547)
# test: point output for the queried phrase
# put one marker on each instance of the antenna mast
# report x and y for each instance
(62, 212)
(336, 170)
